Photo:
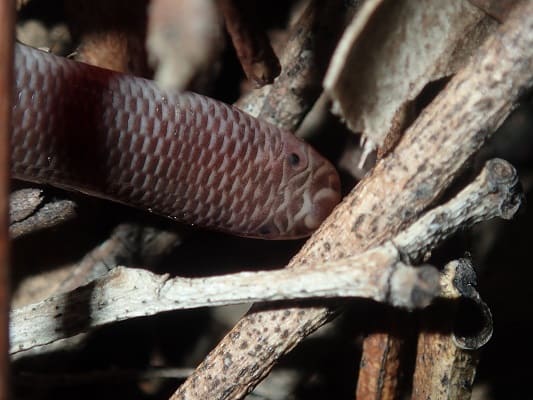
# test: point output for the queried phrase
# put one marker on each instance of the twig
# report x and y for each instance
(388, 362)
(7, 16)
(128, 244)
(445, 366)
(121, 247)
(496, 192)
(304, 61)
(28, 214)
(252, 45)
(23, 203)
(128, 293)
(431, 154)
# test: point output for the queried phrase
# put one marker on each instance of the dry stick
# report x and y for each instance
(304, 61)
(121, 247)
(377, 274)
(445, 367)
(7, 16)
(402, 185)
(127, 293)
(23, 203)
(29, 213)
(495, 192)
(252, 45)
(127, 244)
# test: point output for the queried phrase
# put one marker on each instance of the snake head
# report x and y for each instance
(309, 189)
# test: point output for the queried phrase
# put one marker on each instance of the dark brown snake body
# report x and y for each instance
(181, 155)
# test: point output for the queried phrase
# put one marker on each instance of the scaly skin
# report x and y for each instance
(181, 155)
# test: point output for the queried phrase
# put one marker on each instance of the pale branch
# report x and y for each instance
(375, 274)
(431, 154)
(127, 244)
(127, 293)
(494, 193)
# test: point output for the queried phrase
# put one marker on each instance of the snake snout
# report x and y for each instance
(325, 197)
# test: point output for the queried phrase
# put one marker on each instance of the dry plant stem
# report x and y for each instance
(128, 293)
(402, 185)
(373, 274)
(388, 364)
(304, 60)
(7, 16)
(29, 213)
(127, 244)
(494, 193)
(445, 370)
(119, 247)
(252, 45)
(23, 203)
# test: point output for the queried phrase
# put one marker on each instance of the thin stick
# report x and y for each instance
(128, 293)
(304, 61)
(30, 213)
(252, 45)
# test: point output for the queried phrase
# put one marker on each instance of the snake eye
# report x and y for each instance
(294, 159)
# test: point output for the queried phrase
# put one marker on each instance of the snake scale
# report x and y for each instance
(181, 155)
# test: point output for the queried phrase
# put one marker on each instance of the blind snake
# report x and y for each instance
(181, 155)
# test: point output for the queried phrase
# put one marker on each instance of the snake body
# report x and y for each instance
(181, 155)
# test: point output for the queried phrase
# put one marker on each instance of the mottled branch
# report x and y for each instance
(29, 212)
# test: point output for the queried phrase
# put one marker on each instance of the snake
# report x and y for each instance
(180, 155)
